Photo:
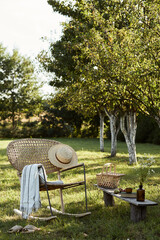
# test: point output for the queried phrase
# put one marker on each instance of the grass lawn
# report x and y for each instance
(103, 223)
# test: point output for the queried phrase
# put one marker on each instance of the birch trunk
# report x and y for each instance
(128, 126)
(114, 128)
(101, 115)
(114, 132)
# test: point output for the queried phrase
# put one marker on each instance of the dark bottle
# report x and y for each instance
(141, 193)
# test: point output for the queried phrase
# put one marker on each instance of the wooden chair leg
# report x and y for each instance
(19, 213)
(62, 203)
(85, 187)
(61, 194)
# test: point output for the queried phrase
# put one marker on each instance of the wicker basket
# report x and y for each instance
(108, 179)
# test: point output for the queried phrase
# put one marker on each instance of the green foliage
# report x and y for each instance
(59, 120)
(19, 91)
(90, 127)
(145, 164)
(120, 39)
(147, 130)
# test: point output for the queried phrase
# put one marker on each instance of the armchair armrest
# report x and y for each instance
(78, 165)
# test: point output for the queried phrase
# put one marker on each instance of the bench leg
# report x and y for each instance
(138, 213)
(108, 199)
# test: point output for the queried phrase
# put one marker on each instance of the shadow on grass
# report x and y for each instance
(69, 227)
(6, 167)
(10, 185)
(3, 152)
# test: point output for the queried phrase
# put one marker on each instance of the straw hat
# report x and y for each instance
(62, 156)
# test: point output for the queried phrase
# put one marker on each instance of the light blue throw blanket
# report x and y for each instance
(30, 196)
(32, 175)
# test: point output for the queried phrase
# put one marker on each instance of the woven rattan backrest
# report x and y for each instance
(28, 151)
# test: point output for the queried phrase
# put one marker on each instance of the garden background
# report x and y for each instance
(105, 103)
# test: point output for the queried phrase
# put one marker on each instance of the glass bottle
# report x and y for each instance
(141, 193)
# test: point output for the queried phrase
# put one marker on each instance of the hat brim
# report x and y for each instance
(53, 159)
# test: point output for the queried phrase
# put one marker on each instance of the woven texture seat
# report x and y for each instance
(28, 151)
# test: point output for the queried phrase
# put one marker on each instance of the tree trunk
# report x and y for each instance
(114, 132)
(13, 111)
(114, 128)
(128, 126)
(101, 115)
(158, 120)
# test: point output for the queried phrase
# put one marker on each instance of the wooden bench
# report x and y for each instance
(138, 209)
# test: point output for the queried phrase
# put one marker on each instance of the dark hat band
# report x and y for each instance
(59, 160)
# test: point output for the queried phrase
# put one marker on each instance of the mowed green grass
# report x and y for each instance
(104, 222)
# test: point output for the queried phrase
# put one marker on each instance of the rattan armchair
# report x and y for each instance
(28, 151)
